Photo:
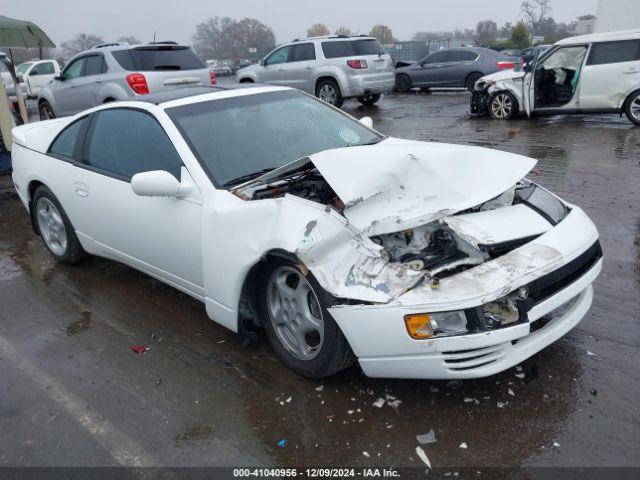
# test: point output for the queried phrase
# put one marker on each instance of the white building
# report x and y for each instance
(585, 26)
(617, 15)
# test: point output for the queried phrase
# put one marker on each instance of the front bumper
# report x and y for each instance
(479, 103)
(379, 339)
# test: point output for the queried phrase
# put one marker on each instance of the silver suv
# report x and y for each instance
(118, 71)
(331, 68)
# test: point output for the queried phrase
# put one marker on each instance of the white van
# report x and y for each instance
(596, 73)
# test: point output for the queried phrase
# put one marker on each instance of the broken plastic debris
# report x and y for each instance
(379, 403)
(319, 388)
(288, 400)
(282, 443)
(366, 454)
(468, 399)
(429, 437)
(520, 375)
(556, 444)
(393, 401)
(423, 456)
(510, 392)
(463, 445)
(590, 353)
(140, 349)
(500, 404)
(434, 389)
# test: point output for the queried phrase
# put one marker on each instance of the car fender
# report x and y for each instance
(624, 97)
(336, 73)
(112, 90)
(346, 263)
(251, 75)
(515, 88)
(47, 94)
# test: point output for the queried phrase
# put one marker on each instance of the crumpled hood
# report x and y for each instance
(504, 75)
(398, 184)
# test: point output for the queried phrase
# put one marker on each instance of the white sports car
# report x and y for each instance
(420, 260)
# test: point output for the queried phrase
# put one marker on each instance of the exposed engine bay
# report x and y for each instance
(448, 245)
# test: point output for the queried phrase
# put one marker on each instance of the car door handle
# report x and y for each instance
(99, 80)
(74, 84)
(281, 69)
(308, 67)
(81, 189)
(631, 71)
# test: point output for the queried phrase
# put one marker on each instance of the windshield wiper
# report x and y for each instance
(247, 177)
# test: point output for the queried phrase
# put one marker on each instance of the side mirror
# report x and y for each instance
(58, 77)
(20, 77)
(157, 183)
(262, 62)
(367, 122)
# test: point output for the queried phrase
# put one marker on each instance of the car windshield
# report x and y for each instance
(236, 137)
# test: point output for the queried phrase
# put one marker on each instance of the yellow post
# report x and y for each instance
(6, 122)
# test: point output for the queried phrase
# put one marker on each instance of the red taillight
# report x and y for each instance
(505, 64)
(11, 107)
(357, 64)
(212, 76)
(138, 83)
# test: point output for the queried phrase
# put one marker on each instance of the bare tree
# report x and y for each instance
(344, 31)
(130, 39)
(383, 34)
(535, 11)
(215, 38)
(505, 30)
(79, 43)
(486, 30)
(318, 30)
(249, 33)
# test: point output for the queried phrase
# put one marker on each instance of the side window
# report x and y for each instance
(437, 57)
(74, 69)
(68, 142)
(279, 56)
(303, 52)
(42, 69)
(466, 56)
(614, 52)
(94, 66)
(124, 142)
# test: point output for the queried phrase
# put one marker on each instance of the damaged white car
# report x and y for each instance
(591, 74)
(420, 260)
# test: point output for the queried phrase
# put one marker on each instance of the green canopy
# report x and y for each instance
(21, 34)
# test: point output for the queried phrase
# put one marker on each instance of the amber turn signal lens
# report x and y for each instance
(418, 325)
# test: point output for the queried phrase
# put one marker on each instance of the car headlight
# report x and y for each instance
(428, 325)
(543, 202)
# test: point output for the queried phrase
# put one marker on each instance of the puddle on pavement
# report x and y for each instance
(81, 325)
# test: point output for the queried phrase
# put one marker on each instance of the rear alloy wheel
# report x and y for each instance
(55, 228)
(368, 100)
(632, 108)
(403, 83)
(45, 110)
(293, 310)
(503, 106)
(329, 91)
(471, 80)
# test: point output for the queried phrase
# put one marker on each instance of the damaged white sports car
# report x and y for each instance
(421, 260)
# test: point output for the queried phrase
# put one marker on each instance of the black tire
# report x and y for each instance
(632, 107)
(45, 111)
(471, 80)
(327, 85)
(369, 100)
(73, 253)
(334, 353)
(403, 83)
(498, 112)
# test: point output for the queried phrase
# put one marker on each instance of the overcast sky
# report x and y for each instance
(176, 19)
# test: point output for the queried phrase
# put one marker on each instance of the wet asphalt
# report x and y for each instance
(72, 392)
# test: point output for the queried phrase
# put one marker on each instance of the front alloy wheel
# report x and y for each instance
(293, 309)
(632, 108)
(503, 106)
(294, 312)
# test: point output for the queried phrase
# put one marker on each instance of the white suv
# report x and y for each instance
(596, 73)
(332, 68)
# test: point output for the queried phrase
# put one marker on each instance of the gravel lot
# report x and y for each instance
(73, 393)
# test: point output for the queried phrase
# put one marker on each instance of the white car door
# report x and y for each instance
(160, 236)
(612, 71)
(38, 76)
